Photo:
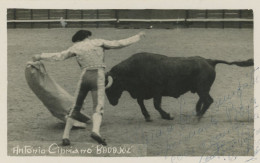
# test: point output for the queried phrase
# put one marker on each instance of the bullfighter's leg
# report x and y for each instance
(157, 104)
(80, 94)
(98, 97)
(74, 114)
(143, 109)
(198, 106)
(207, 101)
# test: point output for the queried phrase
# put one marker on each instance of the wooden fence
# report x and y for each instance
(52, 18)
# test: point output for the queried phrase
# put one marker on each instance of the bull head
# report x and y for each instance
(113, 89)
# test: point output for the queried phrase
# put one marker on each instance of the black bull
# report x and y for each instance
(147, 75)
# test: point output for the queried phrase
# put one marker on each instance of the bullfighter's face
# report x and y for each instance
(114, 92)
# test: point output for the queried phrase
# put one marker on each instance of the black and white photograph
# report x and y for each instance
(132, 82)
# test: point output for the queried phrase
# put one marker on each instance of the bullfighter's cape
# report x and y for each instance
(52, 95)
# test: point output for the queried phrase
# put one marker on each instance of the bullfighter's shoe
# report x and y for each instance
(65, 142)
(98, 138)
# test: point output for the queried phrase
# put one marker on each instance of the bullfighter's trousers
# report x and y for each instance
(90, 80)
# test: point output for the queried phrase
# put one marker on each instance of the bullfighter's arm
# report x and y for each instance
(122, 43)
(60, 56)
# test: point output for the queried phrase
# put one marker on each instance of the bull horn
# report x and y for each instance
(110, 81)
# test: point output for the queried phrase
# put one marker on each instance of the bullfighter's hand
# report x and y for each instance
(36, 57)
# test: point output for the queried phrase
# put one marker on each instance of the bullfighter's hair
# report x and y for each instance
(81, 35)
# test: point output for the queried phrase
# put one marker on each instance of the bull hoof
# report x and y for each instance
(198, 114)
(148, 119)
(168, 117)
(199, 117)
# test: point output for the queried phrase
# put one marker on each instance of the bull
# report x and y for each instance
(147, 75)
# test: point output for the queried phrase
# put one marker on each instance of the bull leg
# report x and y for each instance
(207, 101)
(157, 104)
(198, 106)
(143, 109)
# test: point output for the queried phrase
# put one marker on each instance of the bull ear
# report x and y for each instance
(110, 81)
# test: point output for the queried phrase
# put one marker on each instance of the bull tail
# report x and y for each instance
(247, 63)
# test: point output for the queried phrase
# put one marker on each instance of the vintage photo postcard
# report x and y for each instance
(150, 82)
